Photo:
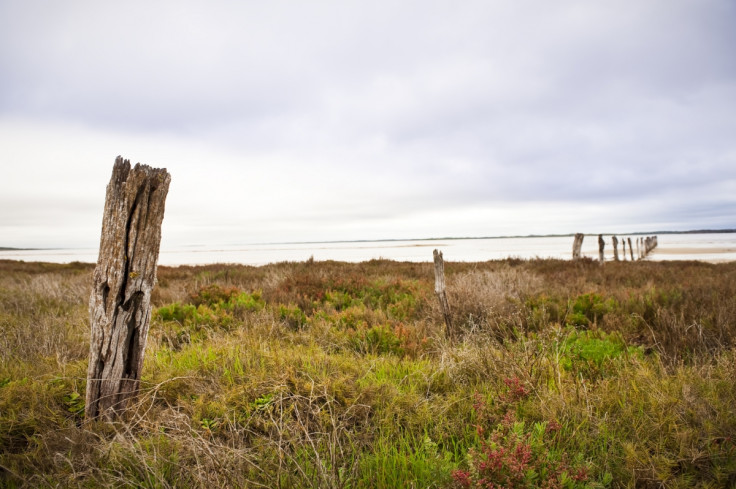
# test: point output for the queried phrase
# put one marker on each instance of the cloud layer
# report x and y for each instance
(362, 120)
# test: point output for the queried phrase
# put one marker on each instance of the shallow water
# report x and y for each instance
(719, 247)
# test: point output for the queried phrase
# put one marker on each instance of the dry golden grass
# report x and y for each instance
(327, 374)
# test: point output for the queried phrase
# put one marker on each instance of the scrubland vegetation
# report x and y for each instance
(338, 375)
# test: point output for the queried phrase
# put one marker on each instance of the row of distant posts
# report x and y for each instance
(644, 246)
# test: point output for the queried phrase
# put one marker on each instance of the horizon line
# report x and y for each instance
(384, 240)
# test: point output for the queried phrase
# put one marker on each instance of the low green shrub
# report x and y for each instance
(591, 352)
(377, 340)
(589, 309)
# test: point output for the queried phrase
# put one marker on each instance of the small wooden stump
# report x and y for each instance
(577, 245)
(615, 248)
(601, 247)
(120, 304)
(439, 289)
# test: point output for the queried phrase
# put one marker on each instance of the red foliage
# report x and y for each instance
(517, 390)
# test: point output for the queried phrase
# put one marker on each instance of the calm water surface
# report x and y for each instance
(705, 247)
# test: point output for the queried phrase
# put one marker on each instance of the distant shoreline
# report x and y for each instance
(446, 238)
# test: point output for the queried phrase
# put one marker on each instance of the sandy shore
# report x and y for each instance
(709, 255)
(693, 251)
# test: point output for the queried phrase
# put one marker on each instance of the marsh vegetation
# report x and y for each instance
(331, 374)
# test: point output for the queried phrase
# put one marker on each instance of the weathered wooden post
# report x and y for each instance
(576, 245)
(439, 289)
(601, 247)
(615, 248)
(631, 250)
(120, 304)
(623, 241)
(651, 243)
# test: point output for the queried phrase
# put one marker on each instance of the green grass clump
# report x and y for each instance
(327, 374)
(592, 353)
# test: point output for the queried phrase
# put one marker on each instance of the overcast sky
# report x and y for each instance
(307, 121)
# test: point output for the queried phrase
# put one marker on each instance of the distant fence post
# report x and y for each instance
(576, 245)
(601, 247)
(638, 248)
(631, 250)
(120, 304)
(439, 289)
(652, 242)
(623, 241)
(615, 248)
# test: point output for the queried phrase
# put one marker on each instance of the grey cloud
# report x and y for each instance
(397, 107)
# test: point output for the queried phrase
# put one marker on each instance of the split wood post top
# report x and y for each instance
(120, 304)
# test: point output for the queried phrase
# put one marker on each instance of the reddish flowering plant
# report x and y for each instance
(508, 419)
(516, 390)
(479, 404)
(519, 457)
(514, 454)
(462, 478)
(553, 426)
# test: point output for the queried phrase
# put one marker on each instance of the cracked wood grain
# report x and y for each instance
(120, 303)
